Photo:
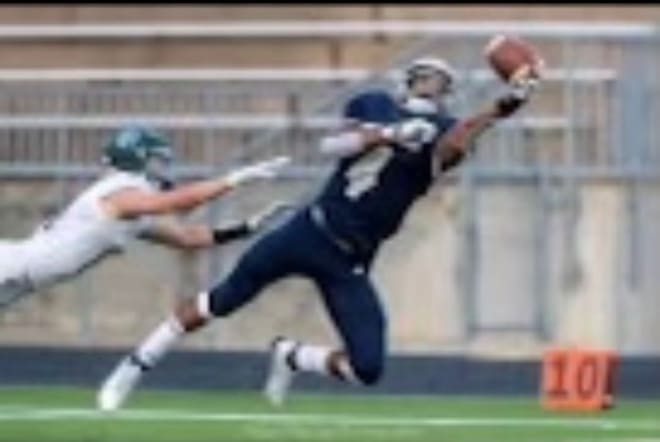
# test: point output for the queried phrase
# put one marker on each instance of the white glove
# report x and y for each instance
(524, 88)
(518, 94)
(260, 219)
(262, 170)
(525, 81)
(412, 133)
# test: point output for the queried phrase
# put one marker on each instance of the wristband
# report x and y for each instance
(222, 235)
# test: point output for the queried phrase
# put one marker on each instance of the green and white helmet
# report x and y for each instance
(139, 149)
(133, 146)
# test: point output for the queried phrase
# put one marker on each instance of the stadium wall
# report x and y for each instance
(418, 272)
(237, 53)
(86, 13)
(221, 371)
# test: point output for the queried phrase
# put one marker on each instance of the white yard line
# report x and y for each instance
(37, 414)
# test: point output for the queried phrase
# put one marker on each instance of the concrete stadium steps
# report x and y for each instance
(193, 54)
(329, 52)
(48, 14)
(251, 48)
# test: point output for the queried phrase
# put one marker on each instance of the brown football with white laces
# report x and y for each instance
(513, 58)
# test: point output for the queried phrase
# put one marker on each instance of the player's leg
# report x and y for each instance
(265, 262)
(355, 308)
(354, 305)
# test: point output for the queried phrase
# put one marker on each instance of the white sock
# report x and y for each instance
(203, 305)
(312, 358)
(159, 342)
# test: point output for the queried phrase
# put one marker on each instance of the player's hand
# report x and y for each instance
(262, 218)
(413, 133)
(262, 170)
(520, 91)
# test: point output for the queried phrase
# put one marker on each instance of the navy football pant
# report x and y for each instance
(300, 248)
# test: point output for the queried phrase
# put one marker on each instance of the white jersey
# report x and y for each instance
(82, 235)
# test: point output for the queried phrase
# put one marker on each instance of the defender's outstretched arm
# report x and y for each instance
(172, 232)
(131, 203)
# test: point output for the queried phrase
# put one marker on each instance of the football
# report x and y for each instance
(513, 58)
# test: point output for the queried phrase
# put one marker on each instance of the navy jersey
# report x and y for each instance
(369, 193)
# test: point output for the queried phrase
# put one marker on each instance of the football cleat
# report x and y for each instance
(119, 385)
(281, 373)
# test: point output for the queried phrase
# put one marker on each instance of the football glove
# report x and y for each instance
(262, 170)
(519, 93)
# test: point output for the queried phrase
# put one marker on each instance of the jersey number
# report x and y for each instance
(364, 173)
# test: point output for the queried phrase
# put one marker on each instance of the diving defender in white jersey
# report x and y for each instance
(120, 206)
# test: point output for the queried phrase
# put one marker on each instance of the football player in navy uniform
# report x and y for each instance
(391, 150)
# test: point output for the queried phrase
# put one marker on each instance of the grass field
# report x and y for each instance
(67, 415)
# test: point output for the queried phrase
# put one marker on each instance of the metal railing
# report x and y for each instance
(232, 107)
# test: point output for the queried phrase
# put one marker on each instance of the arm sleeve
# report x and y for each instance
(341, 145)
(236, 231)
(363, 109)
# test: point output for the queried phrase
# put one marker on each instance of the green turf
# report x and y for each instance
(68, 416)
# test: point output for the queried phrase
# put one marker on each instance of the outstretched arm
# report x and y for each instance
(459, 140)
(171, 232)
(131, 202)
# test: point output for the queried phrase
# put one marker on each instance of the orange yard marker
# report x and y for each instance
(575, 379)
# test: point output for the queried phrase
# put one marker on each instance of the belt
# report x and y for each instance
(320, 220)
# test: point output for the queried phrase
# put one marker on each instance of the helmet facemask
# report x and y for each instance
(158, 168)
(139, 149)
(429, 83)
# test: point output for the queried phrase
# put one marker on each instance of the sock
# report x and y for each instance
(311, 358)
(159, 342)
(204, 305)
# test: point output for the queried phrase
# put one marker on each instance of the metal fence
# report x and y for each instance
(594, 120)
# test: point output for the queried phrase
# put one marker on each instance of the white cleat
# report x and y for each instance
(281, 373)
(119, 384)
